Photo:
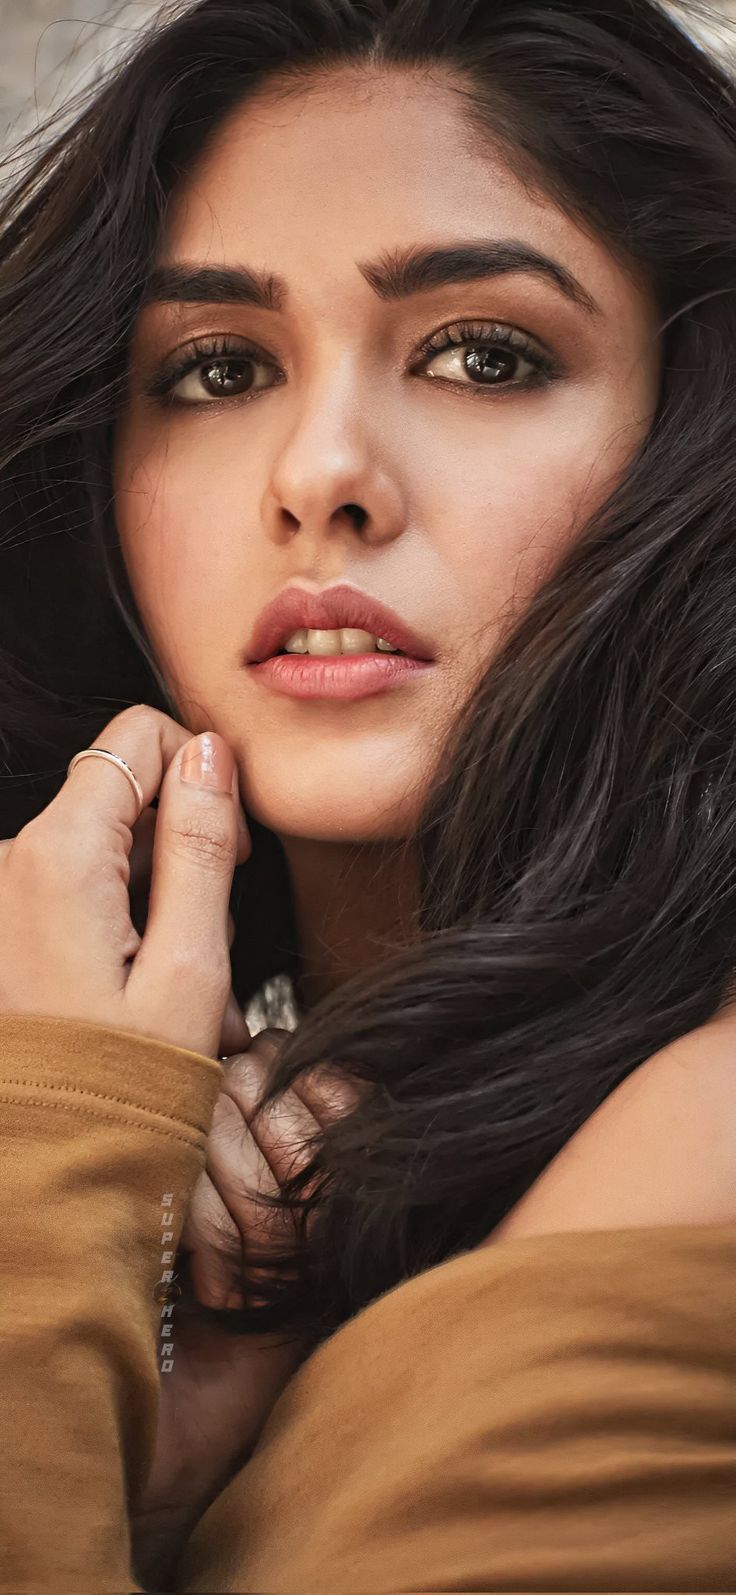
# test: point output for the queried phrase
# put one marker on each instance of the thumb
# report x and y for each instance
(181, 972)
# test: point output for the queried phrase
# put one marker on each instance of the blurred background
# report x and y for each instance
(51, 48)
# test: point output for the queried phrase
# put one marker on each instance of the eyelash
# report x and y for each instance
(475, 335)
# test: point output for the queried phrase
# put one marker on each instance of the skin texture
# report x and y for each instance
(470, 493)
(469, 496)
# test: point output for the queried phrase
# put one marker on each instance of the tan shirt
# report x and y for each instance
(554, 1412)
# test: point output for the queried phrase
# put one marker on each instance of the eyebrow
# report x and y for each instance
(396, 275)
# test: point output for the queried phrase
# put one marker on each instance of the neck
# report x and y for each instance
(349, 900)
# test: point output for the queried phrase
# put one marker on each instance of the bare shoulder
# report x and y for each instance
(660, 1150)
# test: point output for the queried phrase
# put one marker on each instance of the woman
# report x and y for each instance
(388, 330)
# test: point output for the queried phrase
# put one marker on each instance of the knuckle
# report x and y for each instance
(144, 720)
(273, 1034)
(139, 721)
(36, 835)
(140, 713)
(49, 849)
(245, 1081)
(32, 840)
(204, 840)
(265, 1047)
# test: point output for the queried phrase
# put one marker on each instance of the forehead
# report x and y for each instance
(355, 162)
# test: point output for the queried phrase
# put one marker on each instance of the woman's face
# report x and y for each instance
(471, 468)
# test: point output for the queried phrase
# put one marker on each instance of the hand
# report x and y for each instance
(222, 1387)
(68, 945)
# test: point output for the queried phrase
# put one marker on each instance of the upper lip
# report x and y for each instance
(333, 609)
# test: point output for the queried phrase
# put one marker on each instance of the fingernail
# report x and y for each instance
(207, 761)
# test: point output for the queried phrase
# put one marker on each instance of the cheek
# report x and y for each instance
(509, 504)
(176, 521)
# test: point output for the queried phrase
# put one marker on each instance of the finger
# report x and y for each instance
(141, 864)
(324, 1089)
(282, 1131)
(84, 838)
(241, 1170)
(249, 1153)
(228, 1226)
(97, 798)
(141, 855)
(225, 1221)
(329, 1094)
(182, 971)
(215, 1243)
(98, 790)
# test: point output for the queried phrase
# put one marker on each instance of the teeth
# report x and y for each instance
(298, 643)
(349, 640)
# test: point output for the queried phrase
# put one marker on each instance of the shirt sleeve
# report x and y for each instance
(553, 1413)
(102, 1138)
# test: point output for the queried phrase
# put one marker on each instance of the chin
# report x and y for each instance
(348, 814)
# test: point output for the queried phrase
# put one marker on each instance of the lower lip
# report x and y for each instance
(346, 676)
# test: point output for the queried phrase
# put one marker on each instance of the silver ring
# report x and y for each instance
(102, 753)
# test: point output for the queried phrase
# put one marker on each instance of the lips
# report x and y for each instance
(333, 609)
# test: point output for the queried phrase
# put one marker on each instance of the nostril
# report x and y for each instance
(357, 514)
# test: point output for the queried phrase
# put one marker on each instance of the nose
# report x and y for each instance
(332, 475)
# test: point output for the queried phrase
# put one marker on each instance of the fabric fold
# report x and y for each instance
(102, 1137)
(546, 1413)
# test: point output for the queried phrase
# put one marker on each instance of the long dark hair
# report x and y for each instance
(578, 848)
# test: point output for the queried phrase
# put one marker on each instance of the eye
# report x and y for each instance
(487, 356)
(470, 355)
(211, 371)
